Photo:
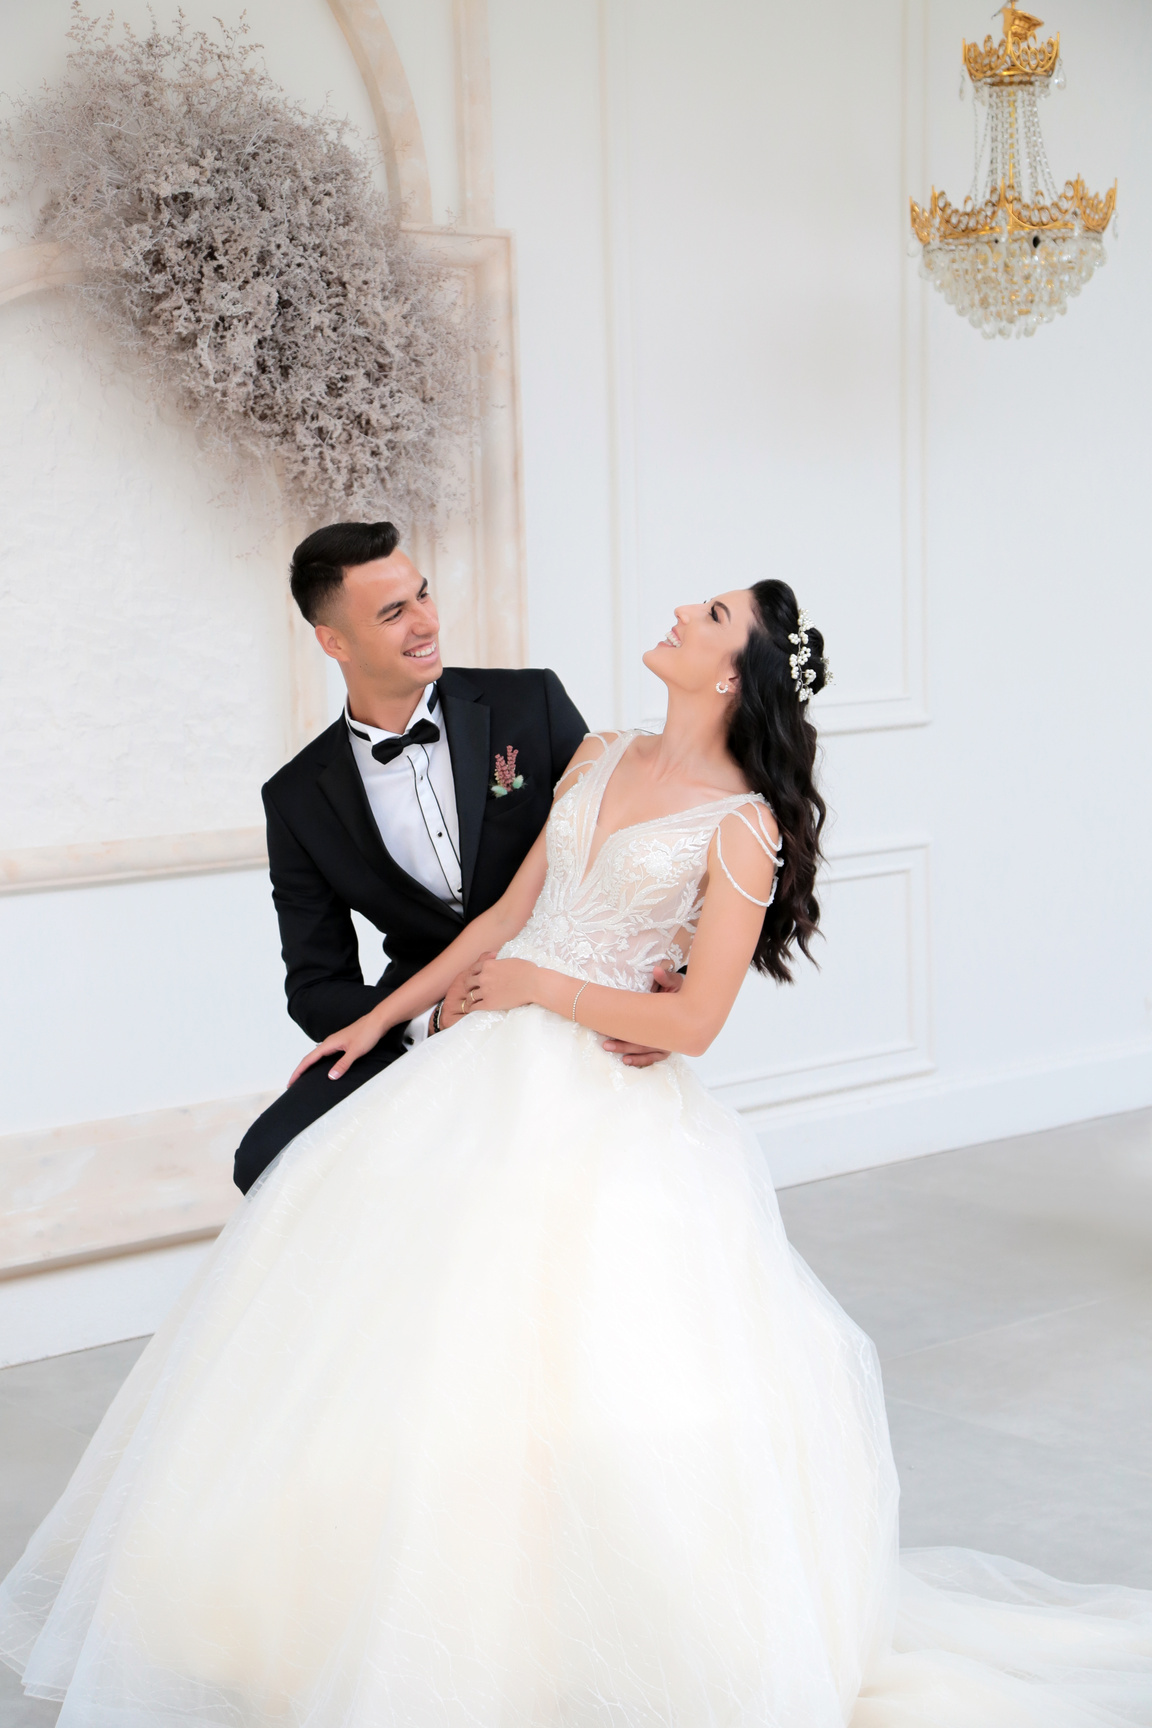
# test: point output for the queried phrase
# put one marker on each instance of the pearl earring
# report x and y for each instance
(722, 689)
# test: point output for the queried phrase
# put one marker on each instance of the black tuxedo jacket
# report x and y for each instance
(327, 858)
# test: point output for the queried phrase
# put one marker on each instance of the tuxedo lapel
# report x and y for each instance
(341, 784)
(467, 720)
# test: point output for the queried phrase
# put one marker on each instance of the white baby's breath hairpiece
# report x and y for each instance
(804, 675)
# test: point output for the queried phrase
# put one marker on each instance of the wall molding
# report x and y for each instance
(615, 158)
(474, 114)
(93, 1190)
(808, 1139)
(871, 1063)
(34, 869)
(477, 558)
(402, 141)
(30, 269)
(907, 706)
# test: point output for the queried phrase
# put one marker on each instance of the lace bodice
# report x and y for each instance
(638, 905)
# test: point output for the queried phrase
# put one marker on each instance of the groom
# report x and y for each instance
(394, 811)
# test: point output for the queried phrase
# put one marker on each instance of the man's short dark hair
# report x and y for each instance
(319, 563)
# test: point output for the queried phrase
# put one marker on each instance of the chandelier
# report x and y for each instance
(1010, 257)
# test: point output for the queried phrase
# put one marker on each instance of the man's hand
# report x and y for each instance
(664, 979)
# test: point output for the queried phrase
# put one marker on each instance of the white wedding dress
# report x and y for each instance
(503, 1402)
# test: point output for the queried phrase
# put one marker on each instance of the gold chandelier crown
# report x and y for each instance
(1005, 210)
(1014, 60)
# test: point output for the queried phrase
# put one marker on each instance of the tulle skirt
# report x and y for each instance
(503, 1402)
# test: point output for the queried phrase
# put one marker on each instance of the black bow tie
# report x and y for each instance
(424, 732)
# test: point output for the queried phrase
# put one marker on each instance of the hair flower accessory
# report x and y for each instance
(804, 675)
(506, 780)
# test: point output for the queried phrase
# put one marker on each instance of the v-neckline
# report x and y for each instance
(590, 862)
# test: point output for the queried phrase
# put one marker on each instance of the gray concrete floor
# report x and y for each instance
(1009, 1291)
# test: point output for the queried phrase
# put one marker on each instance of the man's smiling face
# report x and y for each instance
(382, 625)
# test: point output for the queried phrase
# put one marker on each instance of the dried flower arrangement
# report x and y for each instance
(237, 245)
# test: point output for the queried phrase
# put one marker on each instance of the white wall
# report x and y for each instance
(728, 369)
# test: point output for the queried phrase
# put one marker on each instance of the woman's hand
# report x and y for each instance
(496, 983)
(355, 1040)
(456, 996)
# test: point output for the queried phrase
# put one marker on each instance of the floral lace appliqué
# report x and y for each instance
(638, 905)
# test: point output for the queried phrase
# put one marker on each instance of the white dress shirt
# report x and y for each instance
(413, 800)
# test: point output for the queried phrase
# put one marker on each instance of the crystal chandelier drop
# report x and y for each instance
(1013, 253)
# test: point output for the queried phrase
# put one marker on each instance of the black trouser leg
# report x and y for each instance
(303, 1104)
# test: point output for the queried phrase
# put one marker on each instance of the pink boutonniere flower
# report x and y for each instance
(507, 780)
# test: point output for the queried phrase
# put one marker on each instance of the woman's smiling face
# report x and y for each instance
(700, 649)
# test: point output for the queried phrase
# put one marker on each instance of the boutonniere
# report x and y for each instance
(506, 778)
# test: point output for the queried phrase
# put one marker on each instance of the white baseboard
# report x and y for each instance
(77, 1307)
(857, 1130)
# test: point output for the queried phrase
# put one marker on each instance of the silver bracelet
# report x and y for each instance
(434, 1023)
(577, 997)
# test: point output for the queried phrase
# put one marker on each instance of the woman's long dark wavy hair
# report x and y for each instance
(774, 742)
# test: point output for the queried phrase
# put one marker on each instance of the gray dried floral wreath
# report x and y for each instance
(237, 245)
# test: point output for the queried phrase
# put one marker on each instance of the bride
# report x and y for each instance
(503, 1401)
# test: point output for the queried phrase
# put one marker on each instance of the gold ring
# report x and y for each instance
(472, 994)
(463, 1005)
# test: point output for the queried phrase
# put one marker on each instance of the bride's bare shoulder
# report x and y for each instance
(592, 747)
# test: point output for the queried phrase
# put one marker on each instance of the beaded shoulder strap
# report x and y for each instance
(772, 850)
